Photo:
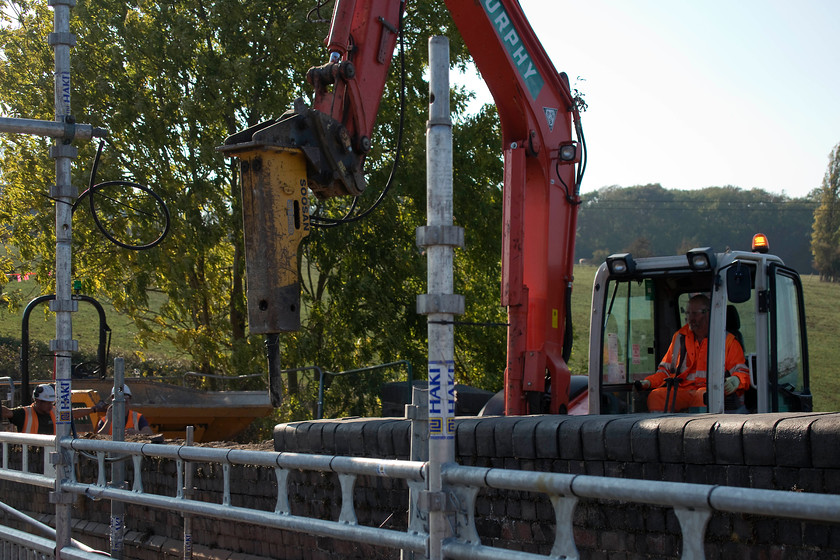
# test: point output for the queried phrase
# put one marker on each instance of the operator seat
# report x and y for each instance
(733, 325)
(733, 403)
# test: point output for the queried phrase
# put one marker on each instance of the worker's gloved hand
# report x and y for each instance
(101, 406)
(641, 385)
(730, 385)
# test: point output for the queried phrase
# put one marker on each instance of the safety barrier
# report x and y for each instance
(18, 544)
(692, 503)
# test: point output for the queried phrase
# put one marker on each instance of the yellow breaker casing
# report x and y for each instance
(275, 211)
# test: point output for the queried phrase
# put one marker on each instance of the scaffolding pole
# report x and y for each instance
(439, 238)
(64, 194)
(64, 130)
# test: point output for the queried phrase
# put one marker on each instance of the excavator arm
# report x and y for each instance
(323, 148)
(538, 114)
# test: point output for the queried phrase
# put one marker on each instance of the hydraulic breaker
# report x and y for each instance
(275, 211)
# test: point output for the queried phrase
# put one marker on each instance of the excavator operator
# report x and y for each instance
(680, 381)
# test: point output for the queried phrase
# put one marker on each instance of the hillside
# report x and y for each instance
(650, 220)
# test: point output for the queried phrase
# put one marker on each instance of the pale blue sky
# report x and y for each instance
(696, 93)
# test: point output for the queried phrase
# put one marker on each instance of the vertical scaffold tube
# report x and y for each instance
(439, 238)
(64, 194)
(188, 494)
(118, 414)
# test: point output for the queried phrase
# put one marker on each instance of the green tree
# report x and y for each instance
(640, 247)
(825, 238)
(170, 80)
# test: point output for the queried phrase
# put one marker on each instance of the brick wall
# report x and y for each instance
(798, 452)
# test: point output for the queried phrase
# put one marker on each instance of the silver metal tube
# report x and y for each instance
(379, 467)
(38, 440)
(642, 491)
(118, 409)
(526, 481)
(825, 507)
(28, 478)
(804, 505)
(41, 527)
(457, 550)
(417, 412)
(391, 468)
(318, 527)
(440, 282)
(63, 346)
(51, 129)
(188, 494)
(27, 541)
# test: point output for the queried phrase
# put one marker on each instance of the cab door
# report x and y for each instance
(788, 373)
(622, 344)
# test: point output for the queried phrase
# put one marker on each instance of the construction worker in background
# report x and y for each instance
(680, 381)
(39, 417)
(135, 423)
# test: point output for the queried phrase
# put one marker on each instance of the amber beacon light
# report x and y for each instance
(760, 243)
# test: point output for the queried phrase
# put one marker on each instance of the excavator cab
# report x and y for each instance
(638, 304)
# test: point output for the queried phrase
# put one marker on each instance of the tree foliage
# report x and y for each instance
(825, 239)
(170, 80)
(659, 221)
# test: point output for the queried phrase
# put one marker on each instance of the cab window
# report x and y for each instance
(789, 355)
(628, 342)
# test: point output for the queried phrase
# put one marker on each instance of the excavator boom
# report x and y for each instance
(542, 159)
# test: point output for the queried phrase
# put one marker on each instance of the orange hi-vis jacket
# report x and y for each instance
(692, 370)
(132, 421)
(31, 422)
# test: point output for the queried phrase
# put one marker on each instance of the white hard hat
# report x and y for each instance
(44, 392)
(126, 391)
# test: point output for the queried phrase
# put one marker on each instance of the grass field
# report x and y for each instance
(86, 325)
(822, 301)
(85, 322)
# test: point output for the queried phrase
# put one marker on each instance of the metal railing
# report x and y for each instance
(693, 503)
(347, 468)
(19, 544)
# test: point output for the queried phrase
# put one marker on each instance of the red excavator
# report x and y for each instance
(322, 148)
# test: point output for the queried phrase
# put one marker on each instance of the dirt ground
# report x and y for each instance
(267, 445)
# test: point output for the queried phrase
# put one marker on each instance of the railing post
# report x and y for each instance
(564, 534)
(118, 467)
(693, 523)
(439, 237)
(188, 495)
(417, 413)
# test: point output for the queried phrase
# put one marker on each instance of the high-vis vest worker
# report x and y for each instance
(132, 422)
(686, 360)
(691, 369)
(31, 424)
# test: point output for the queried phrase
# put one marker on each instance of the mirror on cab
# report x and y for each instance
(738, 283)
